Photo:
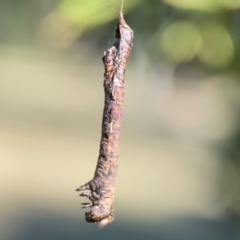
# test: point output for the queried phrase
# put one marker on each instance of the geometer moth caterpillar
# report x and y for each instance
(102, 186)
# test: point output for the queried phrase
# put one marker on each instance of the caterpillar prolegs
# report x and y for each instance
(102, 186)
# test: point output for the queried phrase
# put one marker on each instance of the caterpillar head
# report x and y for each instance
(101, 213)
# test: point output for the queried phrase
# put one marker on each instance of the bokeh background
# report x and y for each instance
(179, 174)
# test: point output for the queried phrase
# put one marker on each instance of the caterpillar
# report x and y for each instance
(102, 186)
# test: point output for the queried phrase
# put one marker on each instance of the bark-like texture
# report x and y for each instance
(102, 186)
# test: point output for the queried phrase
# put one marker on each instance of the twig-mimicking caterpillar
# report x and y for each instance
(102, 185)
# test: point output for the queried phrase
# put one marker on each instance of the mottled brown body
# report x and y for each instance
(102, 186)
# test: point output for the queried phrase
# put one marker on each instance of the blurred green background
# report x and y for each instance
(179, 174)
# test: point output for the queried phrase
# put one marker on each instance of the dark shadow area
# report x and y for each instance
(39, 225)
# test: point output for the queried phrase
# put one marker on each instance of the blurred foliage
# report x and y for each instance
(210, 42)
(192, 30)
(179, 31)
(89, 14)
(205, 5)
(217, 48)
(201, 5)
(180, 41)
(72, 18)
(230, 153)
